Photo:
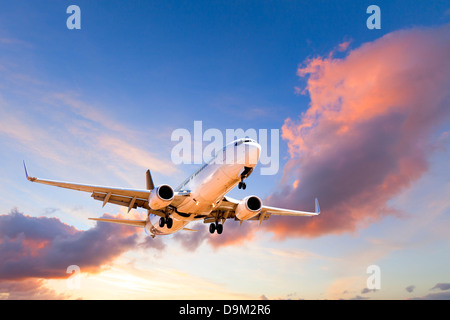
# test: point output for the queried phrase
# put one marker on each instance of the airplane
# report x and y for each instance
(202, 196)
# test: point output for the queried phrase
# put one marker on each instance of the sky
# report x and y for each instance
(363, 119)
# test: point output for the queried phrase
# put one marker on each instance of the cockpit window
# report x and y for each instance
(241, 141)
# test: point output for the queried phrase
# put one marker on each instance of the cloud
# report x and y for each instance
(444, 294)
(410, 288)
(359, 298)
(154, 243)
(87, 131)
(233, 234)
(41, 247)
(344, 46)
(191, 241)
(92, 139)
(14, 42)
(441, 286)
(134, 155)
(367, 135)
(435, 296)
(367, 290)
(29, 289)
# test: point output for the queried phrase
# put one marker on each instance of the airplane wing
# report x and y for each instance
(292, 213)
(229, 206)
(131, 198)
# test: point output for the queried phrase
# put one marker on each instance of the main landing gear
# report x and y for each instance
(242, 185)
(166, 221)
(216, 227)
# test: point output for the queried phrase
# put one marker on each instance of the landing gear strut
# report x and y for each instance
(244, 174)
(166, 221)
(216, 227)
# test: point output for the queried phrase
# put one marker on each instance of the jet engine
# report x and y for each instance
(248, 208)
(160, 197)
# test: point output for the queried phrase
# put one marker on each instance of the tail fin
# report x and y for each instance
(150, 184)
(148, 177)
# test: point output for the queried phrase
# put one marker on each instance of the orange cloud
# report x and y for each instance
(368, 132)
(28, 289)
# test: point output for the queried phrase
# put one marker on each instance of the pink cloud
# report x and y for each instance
(372, 123)
(41, 247)
(344, 45)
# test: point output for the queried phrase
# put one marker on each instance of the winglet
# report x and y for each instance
(25, 167)
(317, 208)
(26, 173)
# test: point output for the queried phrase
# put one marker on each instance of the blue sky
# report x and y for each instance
(98, 105)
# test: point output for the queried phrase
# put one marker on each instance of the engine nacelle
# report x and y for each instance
(248, 208)
(160, 197)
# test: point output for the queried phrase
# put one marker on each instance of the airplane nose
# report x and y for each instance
(253, 151)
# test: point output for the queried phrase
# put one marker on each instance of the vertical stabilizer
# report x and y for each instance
(148, 176)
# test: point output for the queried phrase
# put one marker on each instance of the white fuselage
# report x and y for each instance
(208, 185)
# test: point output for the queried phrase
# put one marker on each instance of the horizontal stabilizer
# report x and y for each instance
(187, 229)
(133, 223)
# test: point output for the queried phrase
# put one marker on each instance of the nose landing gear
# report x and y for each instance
(247, 171)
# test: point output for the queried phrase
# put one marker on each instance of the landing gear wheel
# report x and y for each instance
(212, 228)
(169, 223)
(219, 228)
(242, 185)
(162, 222)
